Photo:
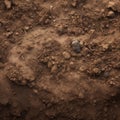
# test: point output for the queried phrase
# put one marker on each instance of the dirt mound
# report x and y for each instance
(59, 60)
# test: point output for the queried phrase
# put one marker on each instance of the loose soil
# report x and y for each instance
(44, 75)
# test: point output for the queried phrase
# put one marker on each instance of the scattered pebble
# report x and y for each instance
(8, 34)
(111, 83)
(106, 74)
(50, 64)
(111, 14)
(17, 33)
(33, 83)
(30, 78)
(111, 4)
(23, 82)
(82, 68)
(8, 4)
(105, 46)
(74, 3)
(54, 69)
(51, 7)
(35, 91)
(61, 30)
(66, 55)
(27, 27)
(72, 13)
(117, 66)
(81, 95)
(76, 46)
(72, 65)
(96, 70)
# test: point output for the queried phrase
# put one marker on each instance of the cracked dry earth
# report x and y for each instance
(60, 60)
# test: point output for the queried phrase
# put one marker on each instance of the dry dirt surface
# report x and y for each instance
(59, 59)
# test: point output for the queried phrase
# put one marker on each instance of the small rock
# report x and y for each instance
(72, 65)
(23, 82)
(61, 30)
(72, 13)
(111, 4)
(117, 66)
(74, 3)
(96, 70)
(106, 74)
(92, 31)
(105, 46)
(32, 78)
(82, 68)
(8, 34)
(12, 40)
(66, 55)
(111, 82)
(76, 46)
(111, 14)
(50, 64)
(33, 83)
(35, 91)
(8, 4)
(51, 7)
(81, 95)
(54, 69)
(27, 27)
(17, 33)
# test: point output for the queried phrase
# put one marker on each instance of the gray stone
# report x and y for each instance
(76, 46)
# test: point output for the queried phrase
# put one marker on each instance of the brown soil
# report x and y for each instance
(59, 60)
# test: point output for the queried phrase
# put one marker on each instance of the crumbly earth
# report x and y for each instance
(43, 76)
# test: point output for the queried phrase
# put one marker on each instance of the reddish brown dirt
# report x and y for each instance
(43, 77)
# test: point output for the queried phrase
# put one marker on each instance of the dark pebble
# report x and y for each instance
(76, 46)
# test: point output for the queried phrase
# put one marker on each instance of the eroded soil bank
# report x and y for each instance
(59, 60)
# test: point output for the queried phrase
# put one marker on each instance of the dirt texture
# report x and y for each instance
(59, 59)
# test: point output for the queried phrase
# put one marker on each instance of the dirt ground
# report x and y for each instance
(59, 60)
